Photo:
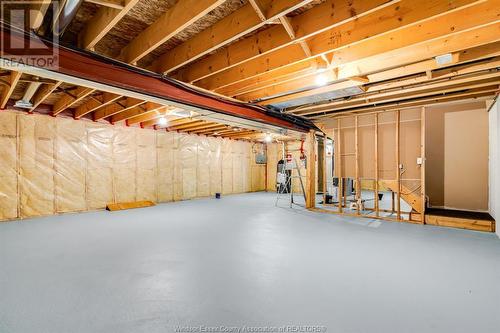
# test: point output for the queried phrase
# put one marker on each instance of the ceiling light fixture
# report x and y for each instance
(268, 138)
(162, 121)
(181, 113)
(321, 80)
(444, 59)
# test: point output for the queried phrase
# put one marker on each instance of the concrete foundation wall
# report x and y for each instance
(56, 165)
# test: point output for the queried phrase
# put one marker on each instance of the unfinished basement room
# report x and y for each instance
(249, 166)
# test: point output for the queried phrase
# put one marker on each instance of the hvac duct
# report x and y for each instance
(25, 102)
(58, 18)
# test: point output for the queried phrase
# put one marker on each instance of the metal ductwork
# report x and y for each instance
(58, 17)
(25, 102)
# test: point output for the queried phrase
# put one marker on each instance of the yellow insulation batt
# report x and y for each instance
(57, 165)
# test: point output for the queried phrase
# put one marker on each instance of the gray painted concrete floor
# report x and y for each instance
(241, 261)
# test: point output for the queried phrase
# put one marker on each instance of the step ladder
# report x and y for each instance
(288, 182)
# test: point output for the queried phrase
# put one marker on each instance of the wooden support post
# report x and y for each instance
(324, 169)
(356, 152)
(9, 90)
(339, 158)
(377, 213)
(398, 162)
(311, 171)
(422, 166)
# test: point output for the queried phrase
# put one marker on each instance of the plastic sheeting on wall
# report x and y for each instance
(124, 165)
(36, 165)
(146, 166)
(8, 166)
(70, 165)
(56, 165)
(99, 165)
(165, 159)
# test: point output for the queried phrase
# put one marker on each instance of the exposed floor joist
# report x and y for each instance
(230, 28)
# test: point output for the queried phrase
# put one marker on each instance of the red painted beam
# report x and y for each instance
(84, 65)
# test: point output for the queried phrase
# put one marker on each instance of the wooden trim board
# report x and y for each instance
(129, 205)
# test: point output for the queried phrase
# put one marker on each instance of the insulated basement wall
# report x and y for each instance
(58, 165)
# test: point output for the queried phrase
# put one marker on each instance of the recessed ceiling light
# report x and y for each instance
(268, 138)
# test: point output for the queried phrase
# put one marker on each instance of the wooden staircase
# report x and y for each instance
(412, 199)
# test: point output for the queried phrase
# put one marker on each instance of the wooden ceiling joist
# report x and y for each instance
(150, 118)
(287, 25)
(238, 134)
(251, 136)
(14, 78)
(117, 4)
(380, 99)
(230, 28)
(204, 127)
(210, 131)
(38, 13)
(268, 79)
(117, 107)
(149, 111)
(180, 16)
(224, 131)
(382, 54)
(180, 121)
(465, 56)
(70, 98)
(215, 130)
(175, 124)
(103, 21)
(411, 85)
(410, 103)
(258, 9)
(138, 111)
(348, 42)
(43, 93)
(193, 123)
(154, 123)
(95, 103)
(412, 54)
(313, 21)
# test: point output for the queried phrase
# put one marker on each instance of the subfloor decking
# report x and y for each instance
(460, 214)
(460, 219)
(241, 261)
